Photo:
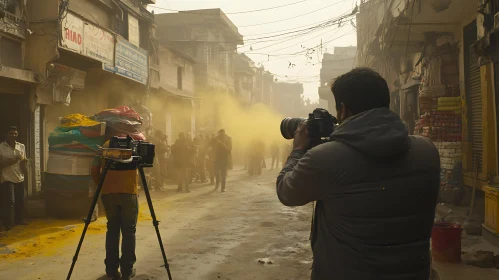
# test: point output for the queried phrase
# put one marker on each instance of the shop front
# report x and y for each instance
(94, 70)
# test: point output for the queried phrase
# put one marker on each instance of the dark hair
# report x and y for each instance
(360, 90)
(13, 128)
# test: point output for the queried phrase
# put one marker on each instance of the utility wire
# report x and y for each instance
(233, 13)
(297, 16)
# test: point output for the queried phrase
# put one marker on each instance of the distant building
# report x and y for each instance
(334, 65)
(287, 99)
(264, 87)
(211, 38)
(245, 78)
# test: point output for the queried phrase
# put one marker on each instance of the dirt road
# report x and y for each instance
(207, 235)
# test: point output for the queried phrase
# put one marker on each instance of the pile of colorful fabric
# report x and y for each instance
(73, 145)
(122, 121)
(72, 149)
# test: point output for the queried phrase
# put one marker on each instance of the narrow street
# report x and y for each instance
(207, 235)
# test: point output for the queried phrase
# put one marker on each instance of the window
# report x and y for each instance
(122, 24)
(9, 6)
(11, 53)
(179, 77)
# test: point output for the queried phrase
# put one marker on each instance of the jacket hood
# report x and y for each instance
(378, 133)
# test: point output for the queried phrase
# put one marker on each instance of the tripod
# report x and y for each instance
(155, 222)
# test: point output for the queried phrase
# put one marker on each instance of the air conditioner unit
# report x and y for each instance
(496, 21)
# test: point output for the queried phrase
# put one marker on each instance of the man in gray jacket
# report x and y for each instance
(375, 186)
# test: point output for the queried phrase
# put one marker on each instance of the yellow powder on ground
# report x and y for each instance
(76, 120)
(46, 237)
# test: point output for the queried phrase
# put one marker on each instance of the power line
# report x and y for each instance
(339, 19)
(233, 13)
(288, 29)
(314, 11)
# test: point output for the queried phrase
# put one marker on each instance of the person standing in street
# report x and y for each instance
(13, 164)
(222, 147)
(274, 153)
(182, 154)
(119, 197)
(374, 185)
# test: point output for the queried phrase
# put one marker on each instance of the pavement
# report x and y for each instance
(242, 234)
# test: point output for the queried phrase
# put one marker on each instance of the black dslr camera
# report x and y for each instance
(133, 153)
(320, 124)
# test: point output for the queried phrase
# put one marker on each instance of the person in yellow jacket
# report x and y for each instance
(119, 197)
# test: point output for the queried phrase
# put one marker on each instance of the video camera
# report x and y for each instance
(129, 154)
(320, 124)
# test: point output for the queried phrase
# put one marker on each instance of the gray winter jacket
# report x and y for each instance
(376, 189)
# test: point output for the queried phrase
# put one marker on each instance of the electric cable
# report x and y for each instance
(233, 13)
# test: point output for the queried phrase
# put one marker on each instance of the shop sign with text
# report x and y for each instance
(72, 33)
(99, 44)
(131, 61)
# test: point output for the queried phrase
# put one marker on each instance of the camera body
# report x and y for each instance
(320, 124)
(142, 153)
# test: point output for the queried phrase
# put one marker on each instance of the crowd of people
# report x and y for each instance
(200, 159)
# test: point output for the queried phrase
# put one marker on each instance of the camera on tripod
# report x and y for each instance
(320, 124)
(129, 154)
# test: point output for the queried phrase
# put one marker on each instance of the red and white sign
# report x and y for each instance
(72, 33)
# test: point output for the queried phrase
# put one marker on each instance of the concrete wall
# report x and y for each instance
(169, 61)
(94, 12)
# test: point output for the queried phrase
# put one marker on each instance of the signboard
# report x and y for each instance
(131, 61)
(99, 44)
(133, 30)
(72, 33)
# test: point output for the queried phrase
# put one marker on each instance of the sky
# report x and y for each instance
(285, 40)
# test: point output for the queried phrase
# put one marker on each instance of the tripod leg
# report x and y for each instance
(89, 217)
(155, 222)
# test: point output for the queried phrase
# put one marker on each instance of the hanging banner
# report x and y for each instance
(133, 30)
(72, 33)
(131, 61)
(99, 44)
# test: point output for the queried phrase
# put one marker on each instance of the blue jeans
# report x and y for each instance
(122, 211)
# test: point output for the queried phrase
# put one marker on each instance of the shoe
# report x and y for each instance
(21, 223)
(114, 276)
(130, 276)
(223, 190)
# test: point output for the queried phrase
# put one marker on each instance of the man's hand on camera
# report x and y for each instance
(301, 140)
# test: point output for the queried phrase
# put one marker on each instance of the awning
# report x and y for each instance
(170, 92)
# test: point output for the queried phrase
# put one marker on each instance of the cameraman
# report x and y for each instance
(375, 186)
(119, 196)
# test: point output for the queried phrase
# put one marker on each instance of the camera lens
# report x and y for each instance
(289, 126)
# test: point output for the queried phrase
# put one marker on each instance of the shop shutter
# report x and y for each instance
(475, 107)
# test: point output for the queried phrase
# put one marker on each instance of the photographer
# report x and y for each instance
(375, 187)
(119, 196)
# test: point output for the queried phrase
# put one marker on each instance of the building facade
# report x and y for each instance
(17, 84)
(211, 39)
(174, 105)
(439, 59)
(334, 65)
(89, 56)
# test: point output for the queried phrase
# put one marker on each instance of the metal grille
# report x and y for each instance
(475, 102)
